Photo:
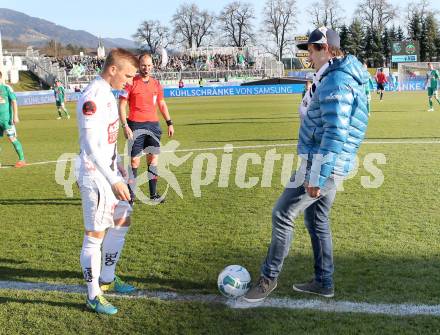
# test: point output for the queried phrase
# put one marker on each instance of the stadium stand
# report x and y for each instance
(214, 65)
(80, 65)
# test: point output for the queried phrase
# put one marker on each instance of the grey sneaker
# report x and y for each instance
(260, 290)
(315, 287)
(157, 198)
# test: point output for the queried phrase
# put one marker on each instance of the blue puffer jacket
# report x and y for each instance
(336, 121)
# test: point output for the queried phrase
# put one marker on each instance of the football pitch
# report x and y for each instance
(386, 231)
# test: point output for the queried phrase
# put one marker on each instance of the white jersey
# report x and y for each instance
(98, 123)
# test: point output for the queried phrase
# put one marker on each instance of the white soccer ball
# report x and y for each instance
(234, 281)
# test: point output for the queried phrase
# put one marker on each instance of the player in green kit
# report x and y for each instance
(432, 79)
(8, 120)
(58, 91)
(368, 87)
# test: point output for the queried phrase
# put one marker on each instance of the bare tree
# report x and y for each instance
(422, 9)
(376, 13)
(326, 13)
(204, 27)
(151, 34)
(191, 25)
(279, 18)
(236, 22)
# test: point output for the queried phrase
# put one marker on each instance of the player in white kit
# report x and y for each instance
(101, 180)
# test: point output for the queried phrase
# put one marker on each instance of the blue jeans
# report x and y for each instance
(292, 203)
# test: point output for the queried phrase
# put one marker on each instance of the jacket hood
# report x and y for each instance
(350, 65)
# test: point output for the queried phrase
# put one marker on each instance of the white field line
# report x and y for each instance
(248, 147)
(334, 306)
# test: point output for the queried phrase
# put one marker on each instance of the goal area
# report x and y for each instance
(412, 76)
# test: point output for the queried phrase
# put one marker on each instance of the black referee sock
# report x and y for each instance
(134, 172)
(152, 179)
(132, 175)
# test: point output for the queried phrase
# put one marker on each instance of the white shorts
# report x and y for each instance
(11, 131)
(99, 204)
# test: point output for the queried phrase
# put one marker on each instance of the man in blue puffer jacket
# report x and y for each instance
(334, 118)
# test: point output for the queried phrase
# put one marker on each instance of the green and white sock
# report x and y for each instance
(18, 149)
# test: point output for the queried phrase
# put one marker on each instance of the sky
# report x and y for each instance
(111, 18)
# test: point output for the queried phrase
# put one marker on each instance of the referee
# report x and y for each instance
(142, 127)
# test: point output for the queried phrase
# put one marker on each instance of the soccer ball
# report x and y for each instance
(234, 281)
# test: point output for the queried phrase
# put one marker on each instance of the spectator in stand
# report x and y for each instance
(181, 84)
(78, 67)
(204, 62)
(85, 65)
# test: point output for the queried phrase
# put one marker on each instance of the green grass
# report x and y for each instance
(385, 239)
(65, 314)
(28, 82)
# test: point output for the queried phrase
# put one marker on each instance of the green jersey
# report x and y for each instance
(59, 93)
(432, 78)
(6, 97)
(368, 86)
